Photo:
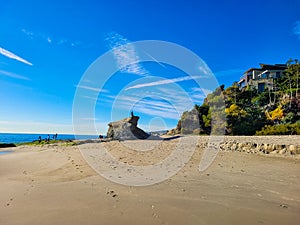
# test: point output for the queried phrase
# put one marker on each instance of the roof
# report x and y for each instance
(273, 67)
(252, 69)
(268, 67)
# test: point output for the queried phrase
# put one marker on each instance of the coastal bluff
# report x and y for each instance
(126, 129)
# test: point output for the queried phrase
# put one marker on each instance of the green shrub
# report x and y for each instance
(280, 129)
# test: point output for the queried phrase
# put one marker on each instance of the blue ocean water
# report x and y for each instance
(18, 138)
(5, 152)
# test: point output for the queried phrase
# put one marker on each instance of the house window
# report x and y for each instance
(265, 75)
(278, 75)
(261, 87)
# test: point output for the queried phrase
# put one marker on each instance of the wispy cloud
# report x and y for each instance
(163, 82)
(148, 106)
(162, 101)
(49, 39)
(204, 69)
(296, 29)
(197, 91)
(125, 54)
(29, 34)
(13, 75)
(88, 88)
(13, 56)
(92, 88)
(90, 97)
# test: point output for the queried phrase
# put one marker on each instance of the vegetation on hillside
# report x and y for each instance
(249, 112)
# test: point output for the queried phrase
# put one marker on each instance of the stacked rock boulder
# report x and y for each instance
(126, 129)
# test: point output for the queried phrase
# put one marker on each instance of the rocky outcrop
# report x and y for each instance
(126, 129)
(190, 123)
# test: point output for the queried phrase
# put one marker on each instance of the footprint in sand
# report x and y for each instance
(10, 201)
(112, 193)
(30, 183)
(283, 206)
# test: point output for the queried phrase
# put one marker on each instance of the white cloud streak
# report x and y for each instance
(125, 54)
(163, 82)
(13, 56)
(13, 75)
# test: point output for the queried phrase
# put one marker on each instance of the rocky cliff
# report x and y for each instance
(189, 123)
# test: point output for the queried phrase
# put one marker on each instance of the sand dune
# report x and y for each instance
(55, 185)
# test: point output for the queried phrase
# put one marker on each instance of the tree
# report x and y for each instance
(276, 115)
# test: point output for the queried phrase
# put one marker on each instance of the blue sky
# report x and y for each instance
(46, 47)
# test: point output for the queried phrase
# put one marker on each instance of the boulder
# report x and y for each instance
(126, 129)
(274, 152)
(294, 149)
(233, 146)
(282, 151)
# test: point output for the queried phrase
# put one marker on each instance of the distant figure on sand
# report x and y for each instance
(100, 136)
(40, 139)
(55, 136)
(48, 138)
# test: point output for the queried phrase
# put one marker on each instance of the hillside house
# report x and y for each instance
(262, 78)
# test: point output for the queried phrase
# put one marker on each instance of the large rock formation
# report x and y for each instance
(189, 123)
(126, 129)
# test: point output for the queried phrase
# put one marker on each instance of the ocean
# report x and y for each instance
(19, 138)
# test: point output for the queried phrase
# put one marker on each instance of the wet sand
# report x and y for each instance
(54, 185)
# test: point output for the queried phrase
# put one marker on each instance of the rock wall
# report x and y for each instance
(257, 148)
(250, 147)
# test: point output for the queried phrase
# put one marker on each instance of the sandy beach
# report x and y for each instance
(53, 184)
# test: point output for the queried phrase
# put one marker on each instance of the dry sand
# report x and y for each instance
(54, 185)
